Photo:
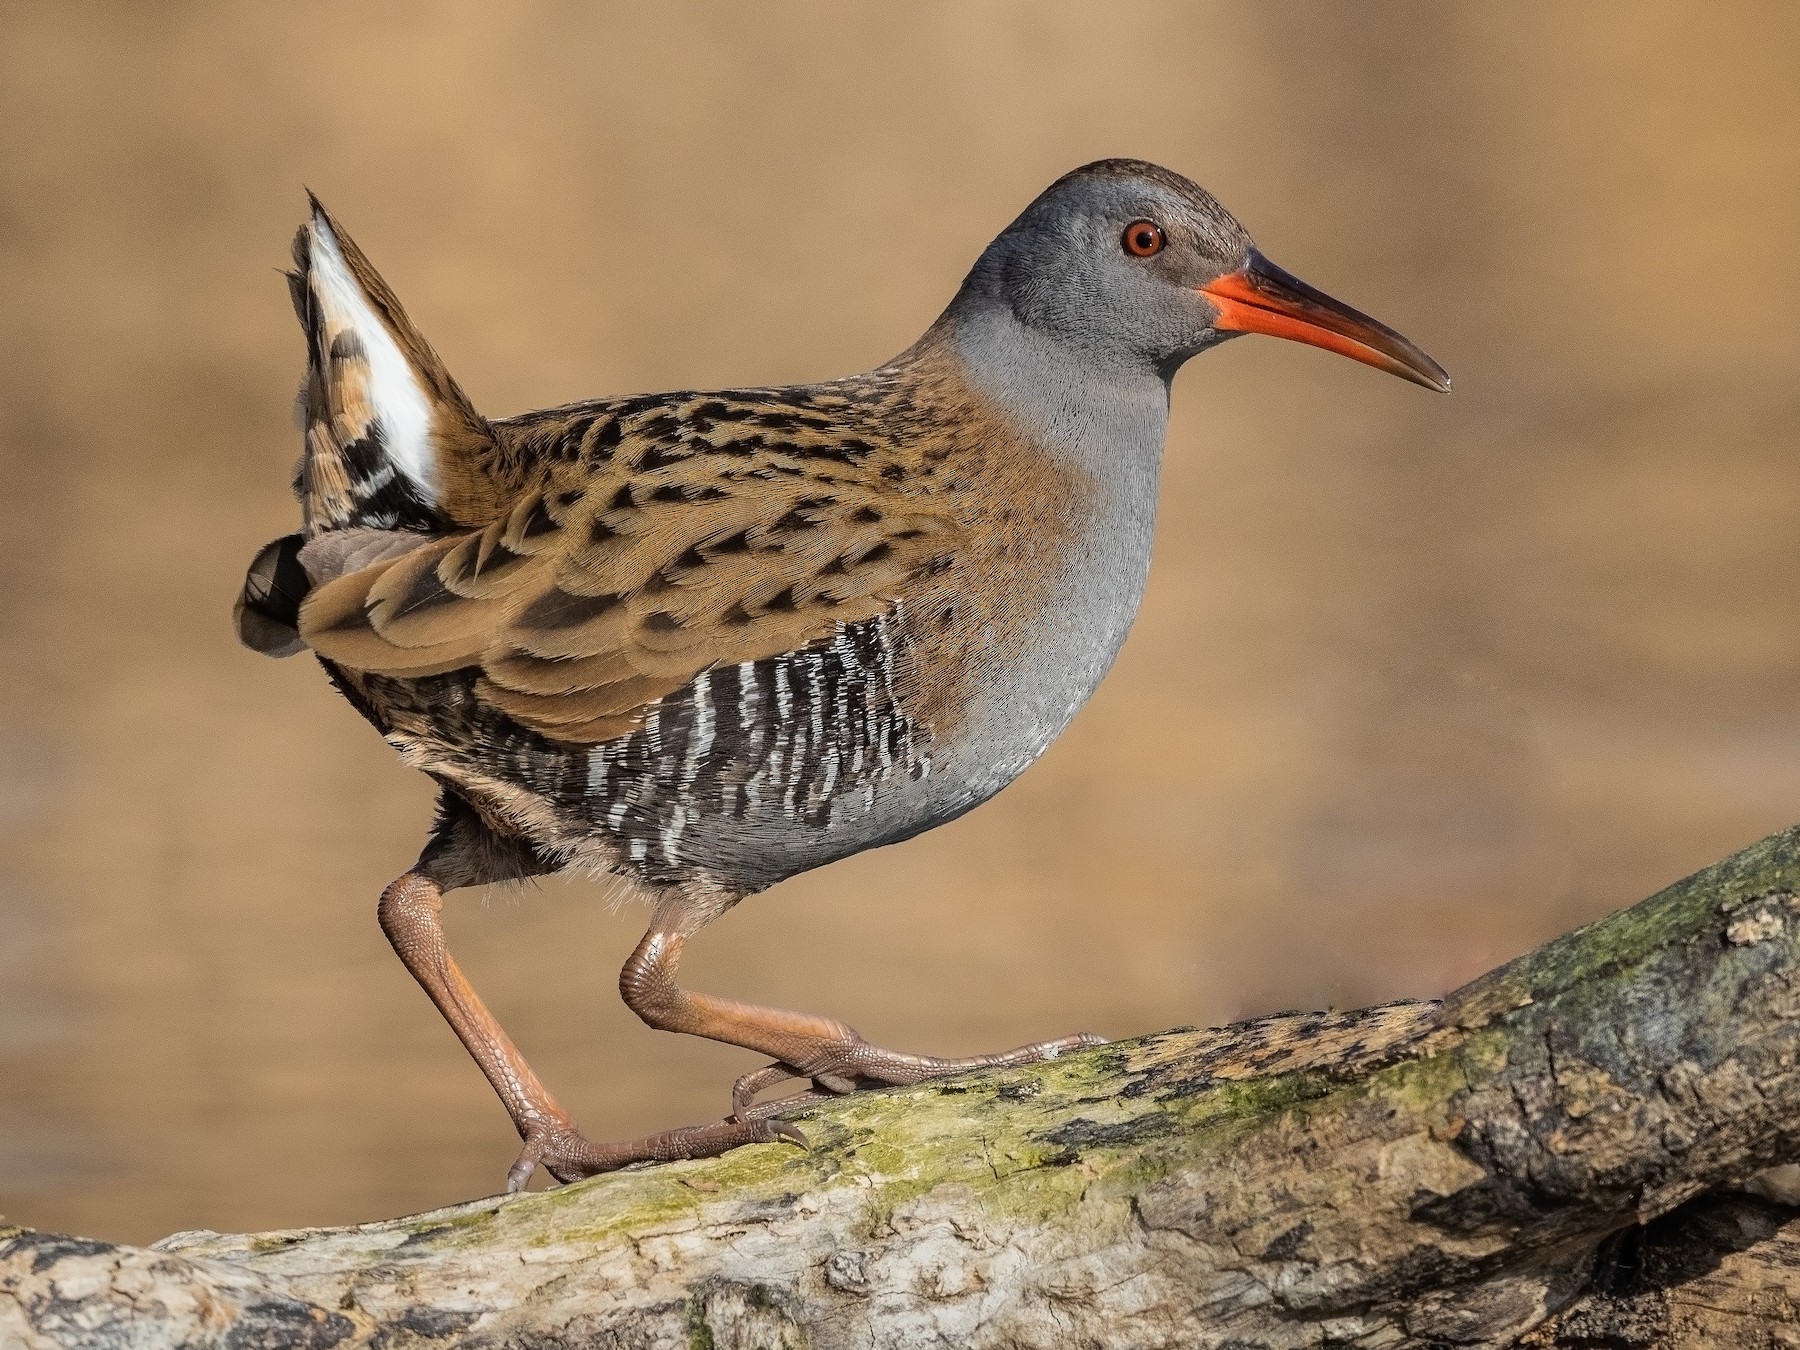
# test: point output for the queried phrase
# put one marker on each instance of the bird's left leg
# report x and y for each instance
(464, 851)
(829, 1052)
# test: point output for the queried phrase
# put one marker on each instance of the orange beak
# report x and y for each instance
(1261, 298)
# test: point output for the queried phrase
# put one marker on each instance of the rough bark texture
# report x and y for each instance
(1548, 1157)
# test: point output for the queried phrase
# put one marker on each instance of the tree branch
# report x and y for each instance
(1543, 1153)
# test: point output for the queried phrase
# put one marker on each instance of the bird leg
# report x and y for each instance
(409, 913)
(828, 1052)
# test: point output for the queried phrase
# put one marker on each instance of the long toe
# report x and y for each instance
(848, 1063)
(893, 1067)
(569, 1156)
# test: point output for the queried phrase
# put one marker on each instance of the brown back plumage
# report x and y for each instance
(678, 544)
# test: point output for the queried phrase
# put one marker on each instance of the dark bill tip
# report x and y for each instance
(1262, 298)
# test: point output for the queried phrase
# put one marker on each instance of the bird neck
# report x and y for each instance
(1103, 420)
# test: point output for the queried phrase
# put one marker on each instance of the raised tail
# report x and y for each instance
(391, 441)
(393, 446)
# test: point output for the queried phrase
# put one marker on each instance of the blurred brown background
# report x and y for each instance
(1420, 681)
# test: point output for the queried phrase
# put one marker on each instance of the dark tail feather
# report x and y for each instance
(268, 608)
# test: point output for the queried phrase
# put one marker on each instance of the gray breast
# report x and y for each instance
(1105, 427)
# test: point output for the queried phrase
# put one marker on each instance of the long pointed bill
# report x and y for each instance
(1261, 298)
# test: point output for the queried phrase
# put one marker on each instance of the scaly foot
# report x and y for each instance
(846, 1062)
(568, 1155)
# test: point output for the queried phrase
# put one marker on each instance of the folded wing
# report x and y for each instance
(592, 600)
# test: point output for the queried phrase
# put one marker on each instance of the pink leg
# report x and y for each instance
(409, 912)
(827, 1051)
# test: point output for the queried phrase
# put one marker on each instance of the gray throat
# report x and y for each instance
(1104, 416)
(1108, 421)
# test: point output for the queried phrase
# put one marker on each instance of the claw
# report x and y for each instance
(783, 1129)
(518, 1176)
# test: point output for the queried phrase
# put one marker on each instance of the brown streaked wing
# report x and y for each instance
(600, 593)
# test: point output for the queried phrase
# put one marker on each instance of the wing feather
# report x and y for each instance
(605, 589)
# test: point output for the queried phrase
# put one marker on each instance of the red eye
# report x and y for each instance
(1142, 238)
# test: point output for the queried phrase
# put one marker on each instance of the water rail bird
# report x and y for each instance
(702, 641)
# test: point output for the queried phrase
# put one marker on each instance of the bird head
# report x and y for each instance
(1130, 263)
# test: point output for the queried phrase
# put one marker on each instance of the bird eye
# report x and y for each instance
(1142, 238)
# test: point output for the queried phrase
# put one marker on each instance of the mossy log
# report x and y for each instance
(1555, 1155)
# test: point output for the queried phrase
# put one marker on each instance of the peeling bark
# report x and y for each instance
(1548, 1157)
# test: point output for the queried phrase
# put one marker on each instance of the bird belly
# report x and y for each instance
(1017, 706)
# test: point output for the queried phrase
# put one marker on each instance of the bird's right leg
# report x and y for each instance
(410, 916)
(803, 1045)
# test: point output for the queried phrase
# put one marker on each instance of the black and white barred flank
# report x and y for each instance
(801, 743)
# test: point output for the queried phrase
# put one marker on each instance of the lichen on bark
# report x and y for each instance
(1421, 1174)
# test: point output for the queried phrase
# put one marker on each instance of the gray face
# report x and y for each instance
(1067, 268)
